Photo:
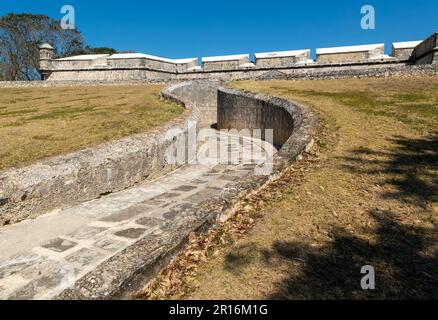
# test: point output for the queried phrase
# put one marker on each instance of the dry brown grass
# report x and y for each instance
(368, 194)
(36, 123)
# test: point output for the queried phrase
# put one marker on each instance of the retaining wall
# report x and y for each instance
(135, 266)
(87, 174)
(84, 175)
(292, 122)
(239, 111)
(201, 94)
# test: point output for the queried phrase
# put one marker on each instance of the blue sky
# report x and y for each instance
(181, 29)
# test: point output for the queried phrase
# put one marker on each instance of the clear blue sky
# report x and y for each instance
(179, 29)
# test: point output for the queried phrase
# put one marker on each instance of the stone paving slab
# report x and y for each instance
(54, 253)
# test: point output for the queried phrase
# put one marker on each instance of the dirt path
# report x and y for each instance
(367, 196)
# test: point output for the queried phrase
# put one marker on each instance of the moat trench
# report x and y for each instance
(96, 249)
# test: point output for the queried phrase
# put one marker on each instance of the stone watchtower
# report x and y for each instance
(47, 55)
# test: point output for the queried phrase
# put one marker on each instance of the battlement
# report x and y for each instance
(229, 62)
(142, 66)
(403, 50)
(351, 53)
(282, 58)
(427, 51)
(122, 61)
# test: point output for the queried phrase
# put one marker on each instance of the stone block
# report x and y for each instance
(229, 62)
(404, 50)
(282, 58)
(131, 233)
(350, 54)
(59, 245)
(427, 51)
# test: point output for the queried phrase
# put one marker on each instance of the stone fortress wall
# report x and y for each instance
(64, 181)
(329, 62)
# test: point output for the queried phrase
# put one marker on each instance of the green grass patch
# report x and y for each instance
(36, 123)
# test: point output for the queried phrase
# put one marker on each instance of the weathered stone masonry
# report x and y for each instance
(84, 175)
(154, 219)
(72, 179)
(407, 58)
(132, 268)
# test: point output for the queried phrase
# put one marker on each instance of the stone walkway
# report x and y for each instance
(41, 258)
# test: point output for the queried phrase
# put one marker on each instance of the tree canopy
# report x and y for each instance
(22, 34)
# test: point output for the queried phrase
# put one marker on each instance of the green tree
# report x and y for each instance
(102, 50)
(20, 37)
(90, 50)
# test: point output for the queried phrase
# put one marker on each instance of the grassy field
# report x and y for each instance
(37, 123)
(366, 195)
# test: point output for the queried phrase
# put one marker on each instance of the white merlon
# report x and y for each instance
(84, 57)
(350, 49)
(281, 54)
(404, 50)
(138, 56)
(133, 55)
(406, 44)
(234, 57)
(183, 61)
(150, 57)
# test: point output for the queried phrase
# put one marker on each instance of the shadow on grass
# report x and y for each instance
(405, 256)
(411, 168)
(404, 266)
(398, 255)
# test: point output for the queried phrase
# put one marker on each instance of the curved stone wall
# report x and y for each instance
(87, 174)
(238, 110)
(132, 268)
(201, 94)
(292, 123)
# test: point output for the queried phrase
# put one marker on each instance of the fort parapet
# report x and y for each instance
(403, 50)
(346, 61)
(230, 62)
(427, 51)
(351, 54)
(282, 58)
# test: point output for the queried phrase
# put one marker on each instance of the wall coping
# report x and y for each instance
(225, 58)
(280, 54)
(349, 49)
(406, 44)
(83, 57)
(119, 56)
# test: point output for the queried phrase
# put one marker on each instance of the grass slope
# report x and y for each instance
(36, 123)
(367, 195)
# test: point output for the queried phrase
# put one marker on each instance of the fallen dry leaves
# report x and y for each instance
(180, 277)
